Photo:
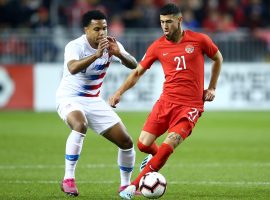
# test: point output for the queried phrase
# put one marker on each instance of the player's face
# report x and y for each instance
(171, 25)
(96, 31)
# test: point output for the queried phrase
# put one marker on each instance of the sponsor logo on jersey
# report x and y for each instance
(189, 48)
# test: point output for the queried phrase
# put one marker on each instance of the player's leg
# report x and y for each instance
(182, 120)
(78, 124)
(104, 121)
(146, 143)
(126, 153)
(71, 113)
(156, 124)
(165, 150)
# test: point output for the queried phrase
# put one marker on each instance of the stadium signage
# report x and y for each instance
(16, 83)
(242, 86)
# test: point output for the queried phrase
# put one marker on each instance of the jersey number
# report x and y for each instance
(181, 65)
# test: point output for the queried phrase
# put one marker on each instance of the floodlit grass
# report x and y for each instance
(227, 157)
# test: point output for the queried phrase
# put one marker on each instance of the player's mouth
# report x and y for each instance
(166, 32)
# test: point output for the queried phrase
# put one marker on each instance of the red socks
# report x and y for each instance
(153, 149)
(156, 163)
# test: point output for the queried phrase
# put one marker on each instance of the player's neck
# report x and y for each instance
(178, 36)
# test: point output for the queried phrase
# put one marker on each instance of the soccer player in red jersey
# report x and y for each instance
(181, 54)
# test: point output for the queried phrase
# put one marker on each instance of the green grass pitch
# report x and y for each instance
(226, 157)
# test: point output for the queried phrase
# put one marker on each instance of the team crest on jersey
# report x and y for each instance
(189, 48)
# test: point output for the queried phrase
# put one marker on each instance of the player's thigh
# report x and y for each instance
(157, 122)
(100, 116)
(184, 120)
(72, 113)
(183, 128)
(178, 133)
(77, 121)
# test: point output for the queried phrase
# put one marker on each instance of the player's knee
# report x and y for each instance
(126, 144)
(142, 147)
(81, 127)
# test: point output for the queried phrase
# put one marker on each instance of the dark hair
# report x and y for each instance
(170, 9)
(93, 14)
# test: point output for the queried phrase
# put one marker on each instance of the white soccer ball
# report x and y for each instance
(153, 185)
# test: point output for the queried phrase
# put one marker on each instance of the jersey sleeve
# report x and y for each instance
(149, 57)
(72, 52)
(208, 46)
(122, 50)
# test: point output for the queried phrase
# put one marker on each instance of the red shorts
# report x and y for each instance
(172, 117)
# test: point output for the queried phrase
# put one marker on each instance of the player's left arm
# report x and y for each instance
(126, 59)
(131, 80)
(209, 93)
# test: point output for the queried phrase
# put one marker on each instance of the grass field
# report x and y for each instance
(227, 157)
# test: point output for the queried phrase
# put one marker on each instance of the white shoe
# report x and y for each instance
(145, 161)
(128, 193)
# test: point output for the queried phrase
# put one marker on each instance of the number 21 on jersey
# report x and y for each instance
(181, 63)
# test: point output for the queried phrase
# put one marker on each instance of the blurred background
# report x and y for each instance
(37, 30)
(33, 33)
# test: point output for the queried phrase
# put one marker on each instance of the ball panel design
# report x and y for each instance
(153, 185)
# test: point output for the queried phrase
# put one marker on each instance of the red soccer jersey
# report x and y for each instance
(183, 66)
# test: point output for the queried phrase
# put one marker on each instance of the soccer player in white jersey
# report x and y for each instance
(87, 59)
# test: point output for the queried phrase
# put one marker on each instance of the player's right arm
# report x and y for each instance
(135, 75)
(131, 80)
(75, 66)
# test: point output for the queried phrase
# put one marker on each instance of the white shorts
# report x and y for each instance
(98, 113)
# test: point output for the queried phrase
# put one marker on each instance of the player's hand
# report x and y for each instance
(102, 45)
(115, 99)
(113, 46)
(209, 94)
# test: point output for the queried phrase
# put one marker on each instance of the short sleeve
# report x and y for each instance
(72, 52)
(208, 46)
(149, 57)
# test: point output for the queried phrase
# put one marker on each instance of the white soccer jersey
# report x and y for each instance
(86, 83)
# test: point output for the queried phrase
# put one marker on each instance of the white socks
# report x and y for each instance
(126, 158)
(126, 161)
(73, 149)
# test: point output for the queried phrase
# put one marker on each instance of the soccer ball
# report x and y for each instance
(153, 185)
